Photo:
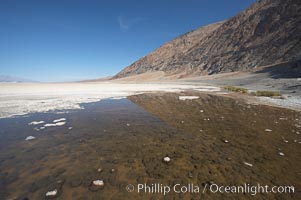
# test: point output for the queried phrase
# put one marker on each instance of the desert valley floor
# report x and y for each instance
(209, 138)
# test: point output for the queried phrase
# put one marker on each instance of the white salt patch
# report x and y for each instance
(188, 97)
(30, 138)
(58, 120)
(36, 122)
(48, 125)
(208, 89)
(51, 193)
(98, 183)
(291, 102)
(56, 124)
(118, 98)
(60, 123)
(248, 164)
(21, 98)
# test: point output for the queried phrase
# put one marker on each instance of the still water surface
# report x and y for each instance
(124, 141)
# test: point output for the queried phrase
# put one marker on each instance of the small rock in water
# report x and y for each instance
(99, 183)
(127, 124)
(96, 185)
(99, 170)
(281, 154)
(30, 138)
(284, 140)
(51, 193)
(166, 159)
(113, 170)
(201, 111)
(182, 122)
(226, 141)
(268, 130)
(70, 128)
(248, 164)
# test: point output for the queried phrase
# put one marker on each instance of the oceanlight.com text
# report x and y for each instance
(158, 188)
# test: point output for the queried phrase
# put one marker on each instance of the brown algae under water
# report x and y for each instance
(211, 139)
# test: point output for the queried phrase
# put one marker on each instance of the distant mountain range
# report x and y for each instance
(268, 32)
(4, 78)
(97, 80)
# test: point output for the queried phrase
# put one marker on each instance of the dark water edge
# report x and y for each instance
(131, 136)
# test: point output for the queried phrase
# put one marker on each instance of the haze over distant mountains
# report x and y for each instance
(4, 78)
(267, 32)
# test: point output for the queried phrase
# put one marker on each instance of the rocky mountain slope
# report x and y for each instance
(267, 32)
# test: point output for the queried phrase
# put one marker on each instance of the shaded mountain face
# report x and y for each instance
(267, 32)
(13, 79)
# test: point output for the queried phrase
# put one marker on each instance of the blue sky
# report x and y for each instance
(65, 40)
